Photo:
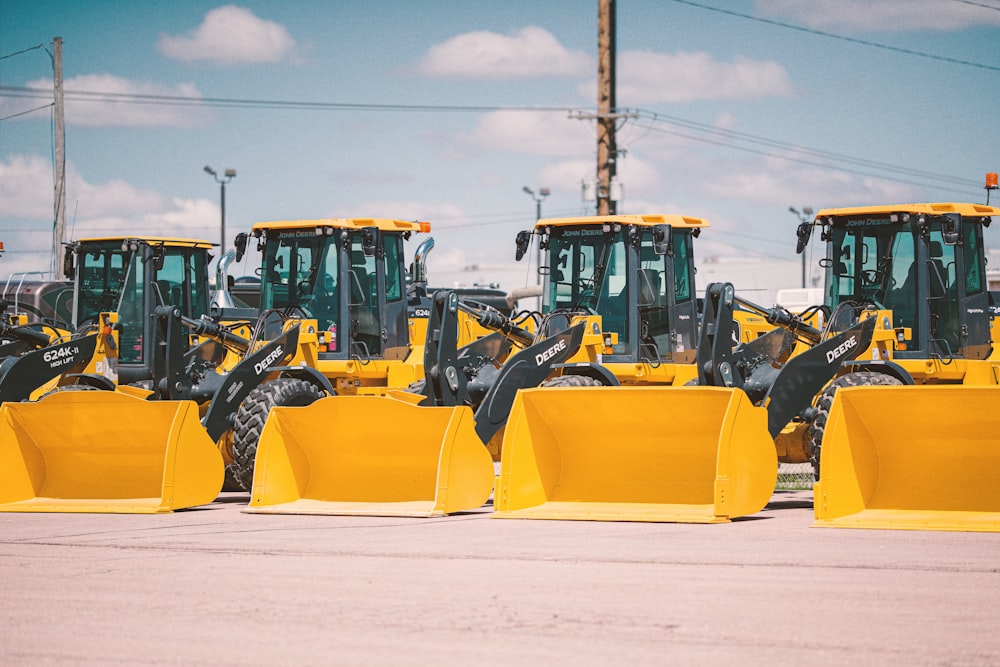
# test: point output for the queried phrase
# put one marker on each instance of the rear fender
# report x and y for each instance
(591, 370)
(884, 367)
(307, 373)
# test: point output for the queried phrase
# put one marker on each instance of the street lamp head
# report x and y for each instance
(209, 170)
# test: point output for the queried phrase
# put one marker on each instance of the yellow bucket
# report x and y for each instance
(911, 458)
(670, 454)
(370, 456)
(102, 451)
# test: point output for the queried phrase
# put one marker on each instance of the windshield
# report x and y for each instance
(875, 261)
(114, 280)
(871, 256)
(300, 270)
(587, 269)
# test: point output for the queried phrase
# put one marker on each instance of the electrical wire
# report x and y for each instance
(853, 40)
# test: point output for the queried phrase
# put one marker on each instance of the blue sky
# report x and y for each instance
(739, 114)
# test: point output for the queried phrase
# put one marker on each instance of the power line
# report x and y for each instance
(25, 113)
(795, 148)
(979, 4)
(853, 40)
(656, 117)
(789, 158)
(183, 100)
(17, 53)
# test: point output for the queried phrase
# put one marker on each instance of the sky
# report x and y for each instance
(445, 110)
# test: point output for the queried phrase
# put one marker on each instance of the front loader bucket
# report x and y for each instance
(678, 454)
(912, 458)
(101, 451)
(372, 456)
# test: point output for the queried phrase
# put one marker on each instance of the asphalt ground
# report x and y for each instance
(216, 586)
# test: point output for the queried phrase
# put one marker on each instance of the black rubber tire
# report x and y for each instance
(572, 381)
(252, 414)
(825, 401)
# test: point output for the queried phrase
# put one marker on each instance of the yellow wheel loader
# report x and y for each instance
(88, 451)
(338, 318)
(901, 437)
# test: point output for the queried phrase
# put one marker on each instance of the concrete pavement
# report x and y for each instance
(215, 586)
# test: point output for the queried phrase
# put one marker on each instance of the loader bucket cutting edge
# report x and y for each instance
(662, 454)
(937, 468)
(105, 452)
(370, 456)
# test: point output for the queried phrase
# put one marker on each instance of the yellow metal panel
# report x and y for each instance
(672, 219)
(153, 240)
(384, 224)
(684, 454)
(374, 456)
(917, 458)
(927, 209)
(98, 451)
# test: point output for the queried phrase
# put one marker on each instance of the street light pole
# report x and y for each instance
(804, 216)
(227, 176)
(542, 194)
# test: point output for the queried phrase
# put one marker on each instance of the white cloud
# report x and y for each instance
(231, 35)
(645, 77)
(533, 133)
(113, 207)
(123, 109)
(531, 52)
(775, 181)
(26, 188)
(879, 15)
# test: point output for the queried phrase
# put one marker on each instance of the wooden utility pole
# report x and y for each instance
(607, 151)
(59, 228)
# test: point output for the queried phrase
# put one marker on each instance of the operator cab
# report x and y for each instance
(636, 272)
(133, 276)
(346, 274)
(926, 266)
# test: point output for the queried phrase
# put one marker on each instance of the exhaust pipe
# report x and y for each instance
(221, 298)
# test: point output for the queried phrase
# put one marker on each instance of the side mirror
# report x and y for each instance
(951, 228)
(523, 242)
(69, 265)
(662, 238)
(158, 257)
(241, 245)
(369, 240)
(803, 232)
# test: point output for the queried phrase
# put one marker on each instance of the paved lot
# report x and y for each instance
(215, 586)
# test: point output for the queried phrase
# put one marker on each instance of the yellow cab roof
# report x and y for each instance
(671, 219)
(152, 240)
(971, 210)
(384, 224)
